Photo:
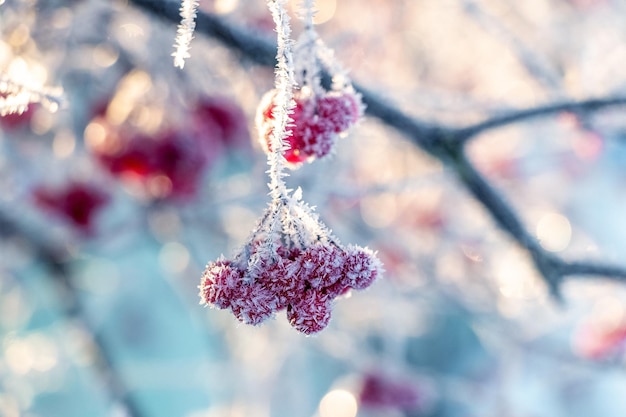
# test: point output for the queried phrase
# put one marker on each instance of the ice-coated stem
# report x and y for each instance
(283, 102)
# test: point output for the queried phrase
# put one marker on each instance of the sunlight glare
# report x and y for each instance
(554, 232)
(338, 403)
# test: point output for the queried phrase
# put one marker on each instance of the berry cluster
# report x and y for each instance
(291, 261)
(169, 163)
(165, 164)
(274, 274)
(317, 122)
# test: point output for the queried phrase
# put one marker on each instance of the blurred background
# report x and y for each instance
(111, 206)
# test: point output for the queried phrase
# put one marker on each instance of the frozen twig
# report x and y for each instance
(445, 143)
(184, 34)
(15, 97)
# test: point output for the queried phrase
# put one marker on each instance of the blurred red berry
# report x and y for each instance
(76, 203)
(168, 165)
(220, 121)
(13, 121)
(380, 391)
(599, 342)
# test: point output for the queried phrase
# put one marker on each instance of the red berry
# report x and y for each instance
(219, 282)
(311, 313)
(14, 121)
(220, 121)
(315, 125)
(378, 391)
(282, 278)
(342, 110)
(253, 303)
(361, 267)
(322, 265)
(77, 203)
(168, 165)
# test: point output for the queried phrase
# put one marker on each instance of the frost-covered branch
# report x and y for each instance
(445, 143)
(15, 97)
(184, 34)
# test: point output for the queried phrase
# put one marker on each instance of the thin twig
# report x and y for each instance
(522, 115)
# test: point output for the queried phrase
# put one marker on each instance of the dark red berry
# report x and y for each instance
(311, 314)
(219, 283)
(75, 202)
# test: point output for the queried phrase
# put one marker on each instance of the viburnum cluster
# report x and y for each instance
(291, 263)
(291, 260)
(169, 163)
(318, 120)
(318, 116)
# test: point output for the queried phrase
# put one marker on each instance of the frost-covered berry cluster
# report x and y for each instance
(317, 122)
(318, 115)
(291, 260)
(299, 268)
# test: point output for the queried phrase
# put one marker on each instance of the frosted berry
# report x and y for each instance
(311, 313)
(219, 283)
(342, 110)
(297, 151)
(361, 267)
(282, 278)
(322, 265)
(253, 303)
(75, 202)
(316, 123)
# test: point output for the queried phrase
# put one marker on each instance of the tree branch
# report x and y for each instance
(516, 116)
(444, 143)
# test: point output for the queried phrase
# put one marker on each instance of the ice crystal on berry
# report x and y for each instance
(311, 313)
(219, 282)
(322, 265)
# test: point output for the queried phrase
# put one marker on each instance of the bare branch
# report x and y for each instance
(516, 116)
(615, 273)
